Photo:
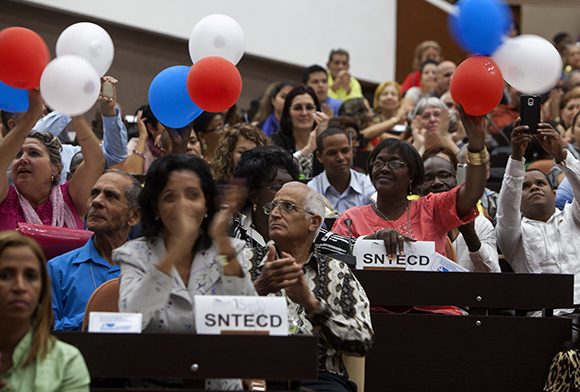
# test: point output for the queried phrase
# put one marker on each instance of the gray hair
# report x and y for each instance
(133, 190)
(430, 102)
(54, 148)
(313, 202)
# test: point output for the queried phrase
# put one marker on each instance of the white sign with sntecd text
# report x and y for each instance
(216, 314)
(417, 255)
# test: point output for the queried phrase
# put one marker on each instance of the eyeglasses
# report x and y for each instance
(393, 165)
(285, 206)
(308, 108)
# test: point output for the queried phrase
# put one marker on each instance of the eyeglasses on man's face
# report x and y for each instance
(395, 164)
(285, 206)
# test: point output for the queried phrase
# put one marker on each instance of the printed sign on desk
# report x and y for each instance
(105, 322)
(216, 314)
(371, 254)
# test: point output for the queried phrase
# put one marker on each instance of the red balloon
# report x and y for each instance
(477, 85)
(24, 57)
(214, 84)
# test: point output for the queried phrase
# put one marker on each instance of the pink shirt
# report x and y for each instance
(11, 213)
(431, 217)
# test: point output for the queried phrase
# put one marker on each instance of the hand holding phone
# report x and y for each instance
(530, 106)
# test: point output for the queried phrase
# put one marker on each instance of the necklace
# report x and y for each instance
(405, 229)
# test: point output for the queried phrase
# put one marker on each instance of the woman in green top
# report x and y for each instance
(31, 359)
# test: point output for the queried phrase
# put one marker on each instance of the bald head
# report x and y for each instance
(444, 72)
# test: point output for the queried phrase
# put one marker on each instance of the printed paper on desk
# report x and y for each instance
(443, 264)
(216, 314)
(371, 254)
(105, 322)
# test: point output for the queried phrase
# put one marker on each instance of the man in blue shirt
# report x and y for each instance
(343, 187)
(113, 211)
(316, 77)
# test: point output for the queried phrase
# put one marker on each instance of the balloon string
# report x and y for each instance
(444, 6)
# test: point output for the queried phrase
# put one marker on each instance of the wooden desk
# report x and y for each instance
(465, 353)
(159, 356)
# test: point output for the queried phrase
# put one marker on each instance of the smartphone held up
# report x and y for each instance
(530, 107)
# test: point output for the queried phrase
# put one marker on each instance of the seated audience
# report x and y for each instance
(443, 74)
(475, 242)
(316, 78)
(339, 313)
(210, 130)
(300, 123)
(271, 104)
(143, 150)
(343, 187)
(341, 84)
(36, 196)
(31, 358)
(534, 236)
(359, 111)
(390, 118)
(428, 72)
(193, 146)
(114, 136)
(432, 120)
(265, 170)
(426, 50)
(396, 170)
(236, 140)
(112, 211)
(574, 144)
(185, 250)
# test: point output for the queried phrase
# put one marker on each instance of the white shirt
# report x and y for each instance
(358, 192)
(485, 259)
(533, 246)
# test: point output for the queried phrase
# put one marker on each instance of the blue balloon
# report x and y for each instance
(12, 99)
(481, 25)
(169, 99)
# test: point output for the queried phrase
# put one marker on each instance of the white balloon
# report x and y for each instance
(70, 85)
(529, 63)
(217, 35)
(89, 41)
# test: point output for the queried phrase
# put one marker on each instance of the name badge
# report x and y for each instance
(105, 322)
(371, 254)
(217, 314)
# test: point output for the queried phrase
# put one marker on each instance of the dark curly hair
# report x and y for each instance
(156, 180)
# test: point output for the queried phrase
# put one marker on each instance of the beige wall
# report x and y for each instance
(548, 19)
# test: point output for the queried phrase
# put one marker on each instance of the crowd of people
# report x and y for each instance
(267, 206)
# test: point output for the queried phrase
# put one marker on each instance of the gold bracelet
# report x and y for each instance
(477, 158)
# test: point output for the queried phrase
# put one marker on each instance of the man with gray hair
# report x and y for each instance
(113, 209)
(324, 297)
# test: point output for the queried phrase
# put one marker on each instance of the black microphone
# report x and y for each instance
(348, 223)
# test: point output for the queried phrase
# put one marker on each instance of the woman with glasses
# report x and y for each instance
(396, 170)
(301, 122)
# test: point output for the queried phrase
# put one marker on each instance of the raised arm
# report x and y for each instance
(135, 162)
(90, 169)
(477, 158)
(114, 130)
(12, 143)
(508, 214)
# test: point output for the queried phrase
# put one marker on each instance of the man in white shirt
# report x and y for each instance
(534, 236)
(474, 242)
(343, 187)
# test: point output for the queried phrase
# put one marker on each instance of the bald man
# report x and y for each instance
(443, 75)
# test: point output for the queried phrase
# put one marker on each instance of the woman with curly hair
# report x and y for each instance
(236, 140)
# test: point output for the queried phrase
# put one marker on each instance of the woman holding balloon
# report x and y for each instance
(35, 196)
